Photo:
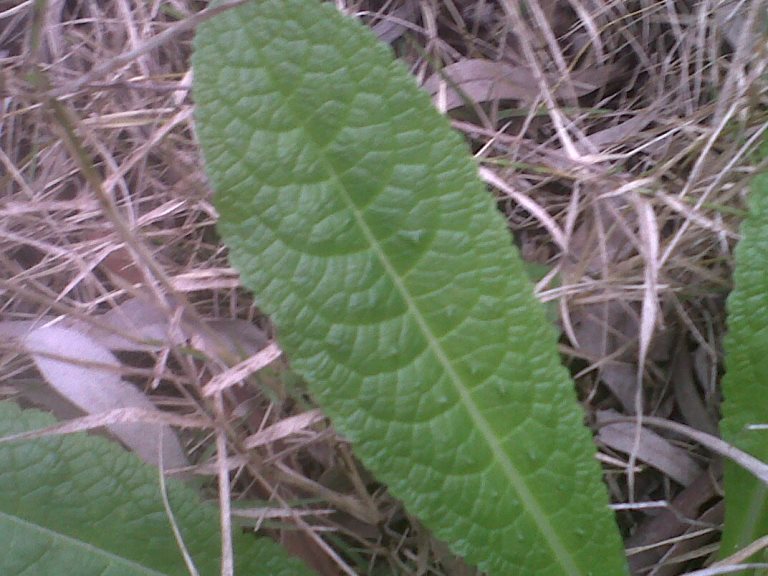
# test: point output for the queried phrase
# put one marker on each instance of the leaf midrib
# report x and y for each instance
(94, 550)
(529, 501)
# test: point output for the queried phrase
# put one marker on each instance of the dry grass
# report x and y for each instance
(618, 137)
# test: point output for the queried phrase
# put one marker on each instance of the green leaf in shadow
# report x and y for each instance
(82, 505)
(356, 216)
(744, 388)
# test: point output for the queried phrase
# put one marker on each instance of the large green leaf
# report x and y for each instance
(82, 505)
(356, 216)
(744, 384)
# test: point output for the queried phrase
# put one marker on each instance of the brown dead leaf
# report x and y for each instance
(652, 449)
(644, 548)
(699, 540)
(87, 374)
(393, 25)
(480, 80)
(687, 395)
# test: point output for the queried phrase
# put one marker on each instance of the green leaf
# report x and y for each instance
(356, 216)
(744, 387)
(82, 505)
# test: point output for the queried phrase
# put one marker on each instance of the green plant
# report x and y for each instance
(80, 504)
(356, 216)
(745, 402)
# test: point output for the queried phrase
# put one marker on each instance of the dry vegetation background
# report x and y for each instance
(618, 137)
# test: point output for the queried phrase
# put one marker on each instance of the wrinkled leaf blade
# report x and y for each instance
(356, 217)
(82, 505)
(745, 401)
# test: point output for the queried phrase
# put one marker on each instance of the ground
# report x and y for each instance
(619, 139)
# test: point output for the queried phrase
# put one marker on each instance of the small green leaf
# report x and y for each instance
(82, 505)
(357, 218)
(744, 384)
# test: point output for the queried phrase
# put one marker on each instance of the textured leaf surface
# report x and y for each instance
(82, 505)
(745, 390)
(356, 216)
